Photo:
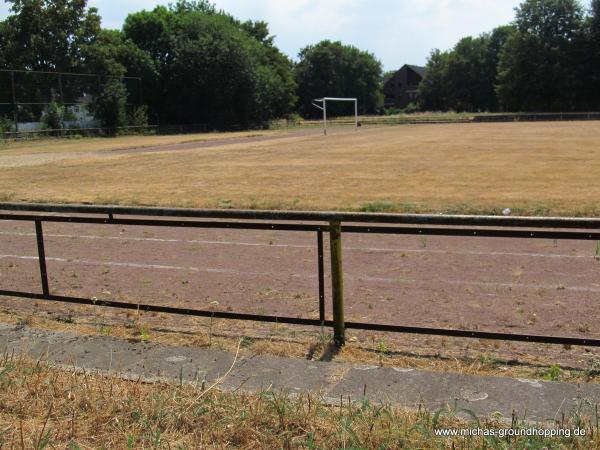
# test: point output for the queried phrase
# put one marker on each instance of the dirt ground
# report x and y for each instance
(487, 284)
(533, 168)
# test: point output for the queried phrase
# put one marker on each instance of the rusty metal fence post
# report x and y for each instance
(337, 282)
(42, 257)
(321, 270)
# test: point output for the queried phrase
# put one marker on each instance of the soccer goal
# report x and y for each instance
(323, 106)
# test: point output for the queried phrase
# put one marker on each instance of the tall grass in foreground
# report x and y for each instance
(46, 407)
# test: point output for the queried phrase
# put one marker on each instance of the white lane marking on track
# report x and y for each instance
(302, 275)
(188, 241)
(257, 244)
(146, 266)
(476, 283)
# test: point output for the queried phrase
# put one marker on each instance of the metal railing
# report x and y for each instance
(334, 223)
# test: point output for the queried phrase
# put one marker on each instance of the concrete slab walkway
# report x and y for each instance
(533, 400)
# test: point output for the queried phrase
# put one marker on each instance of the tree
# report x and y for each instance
(332, 69)
(539, 65)
(595, 20)
(64, 36)
(591, 59)
(496, 40)
(464, 78)
(53, 116)
(47, 35)
(433, 91)
(469, 88)
(112, 55)
(232, 72)
(110, 107)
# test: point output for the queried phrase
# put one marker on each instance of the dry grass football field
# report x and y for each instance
(534, 168)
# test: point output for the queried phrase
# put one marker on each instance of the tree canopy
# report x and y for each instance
(539, 66)
(47, 34)
(548, 59)
(200, 65)
(332, 69)
(463, 79)
(210, 67)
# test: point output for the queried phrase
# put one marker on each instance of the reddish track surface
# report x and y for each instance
(507, 285)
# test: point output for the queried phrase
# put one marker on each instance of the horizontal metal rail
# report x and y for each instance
(313, 216)
(466, 226)
(165, 309)
(475, 334)
(479, 232)
(168, 223)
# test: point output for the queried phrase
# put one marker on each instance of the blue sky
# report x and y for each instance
(397, 31)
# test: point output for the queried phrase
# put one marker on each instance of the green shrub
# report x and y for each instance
(53, 116)
(110, 106)
(391, 111)
(410, 108)
(6, 125)
(139, 117)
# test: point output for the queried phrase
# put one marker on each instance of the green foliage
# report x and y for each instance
(110, 106)
(548, 60)
(590, 54)
(231, 72)
(201, 65)
(6, 125)
(411, 108)
(331, 69)
(53, 116)
(382, 350)
(539, 67)
(463, 79)
(553, 373)
(433, 90)
(139, 117)
(47, 35)
(198, 65)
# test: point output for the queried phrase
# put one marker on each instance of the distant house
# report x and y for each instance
(401, 88)
(81, 114)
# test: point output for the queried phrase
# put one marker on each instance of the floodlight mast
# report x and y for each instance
(324, 101)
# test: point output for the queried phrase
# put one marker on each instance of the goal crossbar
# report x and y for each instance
(323, 108)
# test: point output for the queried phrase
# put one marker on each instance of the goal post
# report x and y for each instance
(324, 101)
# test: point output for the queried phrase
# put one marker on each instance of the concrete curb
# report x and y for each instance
(531, 400)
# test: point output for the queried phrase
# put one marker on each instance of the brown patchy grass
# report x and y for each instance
(530, 167)
(85, 144)
(46, 407)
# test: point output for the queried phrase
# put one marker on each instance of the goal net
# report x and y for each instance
(321, 103)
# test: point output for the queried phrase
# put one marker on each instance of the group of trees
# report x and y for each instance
(547, 60)
(201, 65)
(198, 64)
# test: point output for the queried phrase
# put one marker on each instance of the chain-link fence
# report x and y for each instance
(25, 96)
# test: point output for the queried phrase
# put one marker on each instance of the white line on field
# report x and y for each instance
(310, 276)
(189, 241)
(476, 283)
(258, 244)
(142, 266)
